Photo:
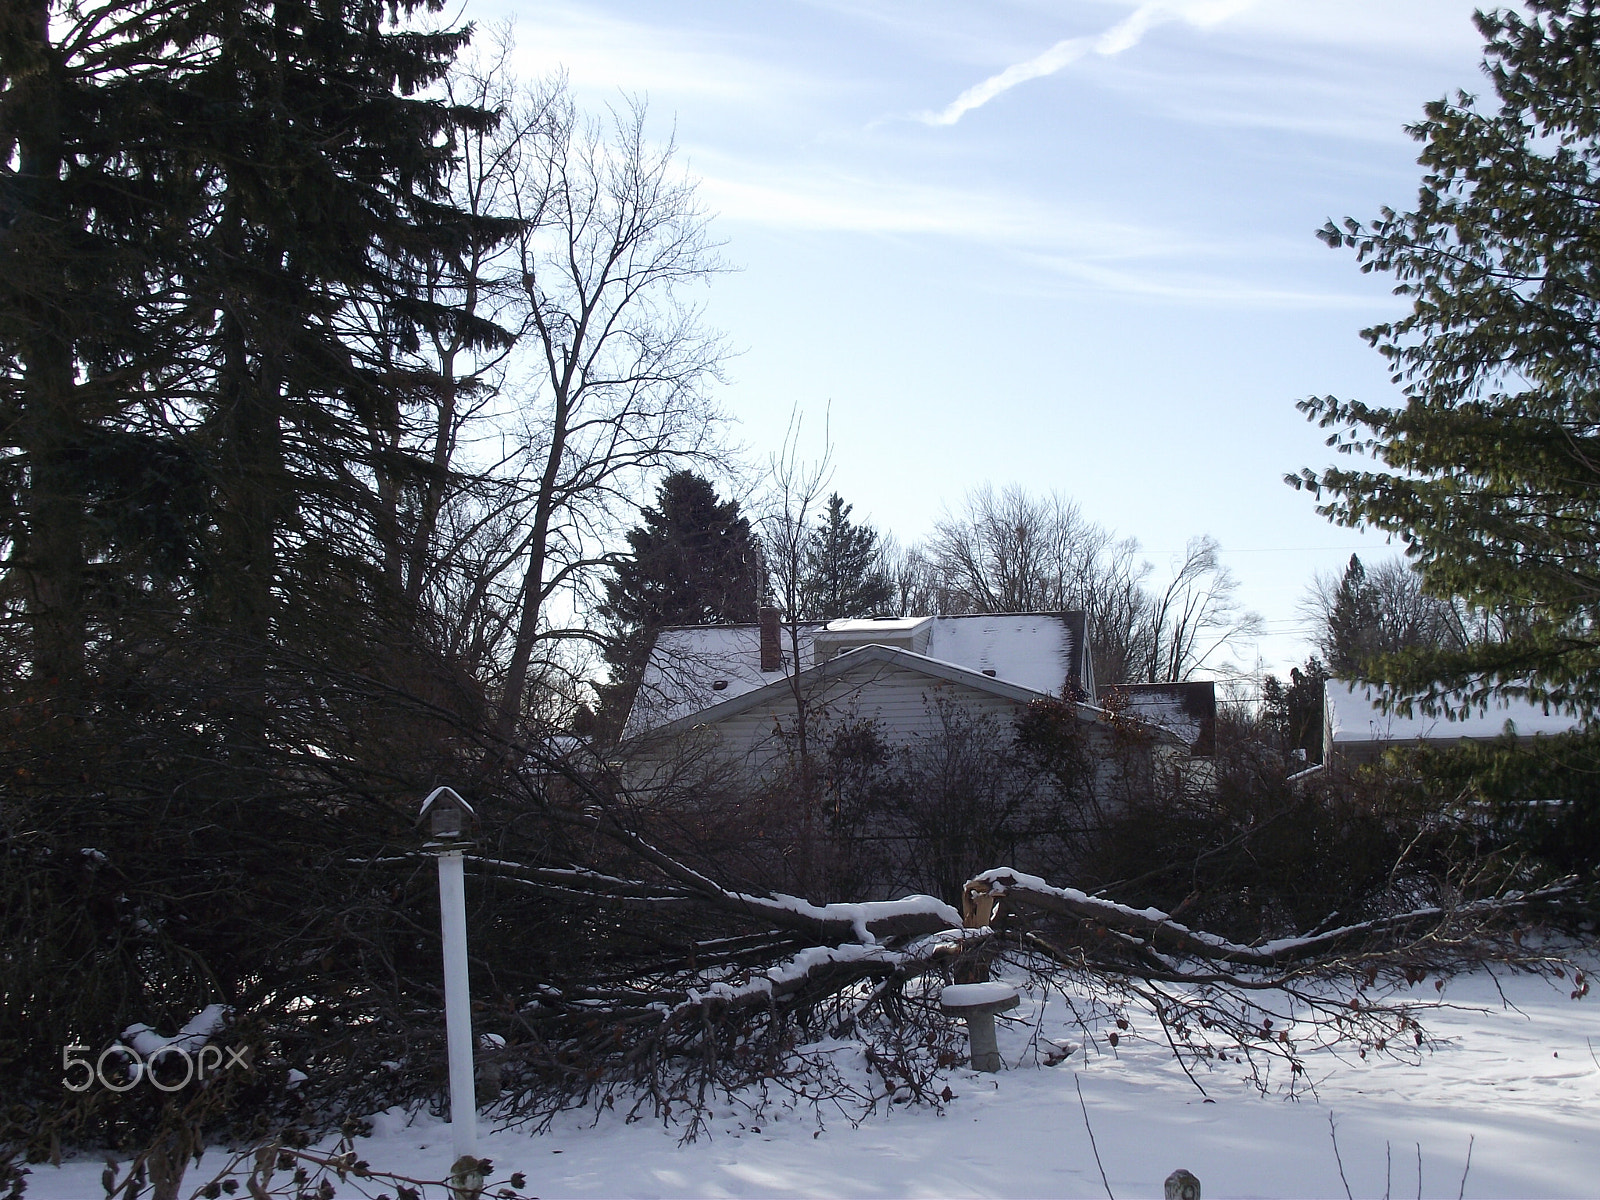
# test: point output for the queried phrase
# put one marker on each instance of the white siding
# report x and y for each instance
(686, 665)
(905, 704)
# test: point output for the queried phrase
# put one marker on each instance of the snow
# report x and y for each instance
(1513, 1078)
(891, 625)
(1164, 709)
(1355, 714)
(1032, 650)
(196, 1032)
(1001, 878)
(1185, 710)
(686, 663)
(860, 914)
(446, 793)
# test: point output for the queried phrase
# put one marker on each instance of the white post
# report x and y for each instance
(457, 1003)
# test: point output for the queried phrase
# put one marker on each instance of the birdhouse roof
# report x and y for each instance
(445, 795)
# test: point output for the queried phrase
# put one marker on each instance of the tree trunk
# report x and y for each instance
(49, 429)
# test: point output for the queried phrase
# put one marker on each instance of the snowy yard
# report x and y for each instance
(1517, 1080)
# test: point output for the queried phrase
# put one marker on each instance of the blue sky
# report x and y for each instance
(1067, 244)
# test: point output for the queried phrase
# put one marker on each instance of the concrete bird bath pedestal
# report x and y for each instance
(977, 1003)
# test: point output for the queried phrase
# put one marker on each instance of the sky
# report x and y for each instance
(1063, 244)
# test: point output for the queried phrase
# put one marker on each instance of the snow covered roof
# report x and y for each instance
(1353, 716)
(877, 625)
(1042, 651)
(779, 685)
(443, 796)
(1187, 710)
(692, 668)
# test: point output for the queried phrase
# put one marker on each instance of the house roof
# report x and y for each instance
(1042, 651)
(695, 668)
(1353, 715)
(877, 624)
(1186, 710)
(781, 685)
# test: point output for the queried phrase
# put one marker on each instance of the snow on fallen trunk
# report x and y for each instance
(867, 922)
(196, 1032)
(1169, 936)
(814, 963)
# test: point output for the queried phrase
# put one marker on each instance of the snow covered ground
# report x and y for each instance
(1517, 1082)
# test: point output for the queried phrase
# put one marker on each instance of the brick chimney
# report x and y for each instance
(771, 643)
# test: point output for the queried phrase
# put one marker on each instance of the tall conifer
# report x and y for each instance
(694, 561)
(842, 575)
(1489, 470)
(198, 198)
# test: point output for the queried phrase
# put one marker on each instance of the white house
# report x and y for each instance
(736, 690)
(1355, 729)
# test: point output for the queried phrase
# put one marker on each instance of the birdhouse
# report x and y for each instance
(452, 818)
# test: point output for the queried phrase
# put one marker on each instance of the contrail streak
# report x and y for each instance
(1124, 35)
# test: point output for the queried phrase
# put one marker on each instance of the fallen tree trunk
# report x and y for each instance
(1002, 889)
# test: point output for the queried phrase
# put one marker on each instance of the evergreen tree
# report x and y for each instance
(1488, 471)
(94, 209)
(694, 561)
(199, 203)
(1295, 709)
(843, 577)
(205, 196)
(328, 190)
(1365, 614)
(1352, 623)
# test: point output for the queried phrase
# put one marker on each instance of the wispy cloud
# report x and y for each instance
(602, 53)
(1075, 248)
(1124, 35)
(817, 198)
(1164, 281)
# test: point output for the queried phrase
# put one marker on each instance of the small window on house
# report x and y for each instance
(720, 685)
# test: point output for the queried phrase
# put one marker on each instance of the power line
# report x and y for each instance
(1267, 549)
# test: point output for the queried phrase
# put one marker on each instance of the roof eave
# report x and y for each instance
(921, 663)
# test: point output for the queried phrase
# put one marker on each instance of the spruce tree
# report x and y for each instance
(693, 561)
(842, 575)
(1295, 709)
(95, 206)
(199, 201)
(1351, 623)
(1488, 469)
(329, 185)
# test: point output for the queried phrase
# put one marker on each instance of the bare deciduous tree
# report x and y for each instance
(1401, 614)
(514, 481)
(795, 491)
(614, 237)
(1117, 606)
(1193, 621)
(918, 590)
(1011, 551)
